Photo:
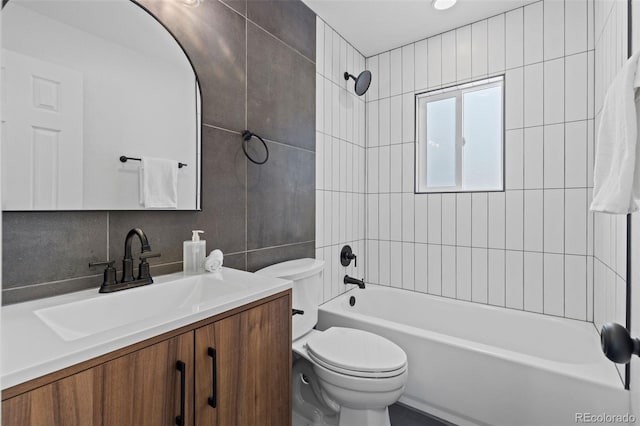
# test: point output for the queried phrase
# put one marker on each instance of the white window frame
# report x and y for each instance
(457, 92)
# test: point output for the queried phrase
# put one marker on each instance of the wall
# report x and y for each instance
(340, 158)
(610, 231)
(529, 247)
(256, 62)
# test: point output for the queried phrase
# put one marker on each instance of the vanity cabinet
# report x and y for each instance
(140, 388)
(231, 369)
(250, 354)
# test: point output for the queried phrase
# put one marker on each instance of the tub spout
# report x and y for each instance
(350, 280)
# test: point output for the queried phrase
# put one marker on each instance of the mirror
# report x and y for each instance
(84, 83)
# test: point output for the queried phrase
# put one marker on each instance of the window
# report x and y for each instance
(460, 134)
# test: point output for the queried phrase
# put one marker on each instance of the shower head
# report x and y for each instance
(362, 81)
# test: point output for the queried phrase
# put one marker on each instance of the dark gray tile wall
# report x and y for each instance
(258, 259)
(279, 109)
(277, 211)
(255, 63)
(288, 21)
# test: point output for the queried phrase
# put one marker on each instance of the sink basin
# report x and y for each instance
(104, 312)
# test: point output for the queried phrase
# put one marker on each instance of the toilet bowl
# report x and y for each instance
(341, 376)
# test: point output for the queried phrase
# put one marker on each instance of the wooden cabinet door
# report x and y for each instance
(67, 402)
(141, 388)
(144, 387)
(253, 368)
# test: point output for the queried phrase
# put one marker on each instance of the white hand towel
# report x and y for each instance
(159, 183)
(214, 261)
(616, 185)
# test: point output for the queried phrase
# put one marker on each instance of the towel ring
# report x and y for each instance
(246, 136)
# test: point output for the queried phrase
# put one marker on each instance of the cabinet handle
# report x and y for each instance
(213, 400)
(181, 366)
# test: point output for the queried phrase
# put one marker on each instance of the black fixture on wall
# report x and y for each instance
(246, 137)
(347, 255)
(617, 343)
(363, 81)
(124, 159)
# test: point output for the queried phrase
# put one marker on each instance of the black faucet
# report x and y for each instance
(127, 262)
(128, 280)
(349, 280)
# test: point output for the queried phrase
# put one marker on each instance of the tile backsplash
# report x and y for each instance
(257, 215)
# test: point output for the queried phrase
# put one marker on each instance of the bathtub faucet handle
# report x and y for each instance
(347, 255)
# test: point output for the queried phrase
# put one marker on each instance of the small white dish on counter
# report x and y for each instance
(46, 335)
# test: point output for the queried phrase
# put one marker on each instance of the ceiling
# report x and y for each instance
(374, 26)
(135, 30)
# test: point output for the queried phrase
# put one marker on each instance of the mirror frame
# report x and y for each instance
(199, 87)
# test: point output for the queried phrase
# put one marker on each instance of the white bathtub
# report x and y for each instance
(473, 364)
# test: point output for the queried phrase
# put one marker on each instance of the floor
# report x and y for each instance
(400, 416)
(404, 416)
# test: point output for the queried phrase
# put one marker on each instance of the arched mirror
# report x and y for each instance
(85, 83)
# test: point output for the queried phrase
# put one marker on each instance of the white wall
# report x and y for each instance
(526, 248)
(134, 105)
(340, 159)
(609, 230)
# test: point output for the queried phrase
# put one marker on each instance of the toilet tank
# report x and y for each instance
(306, 275)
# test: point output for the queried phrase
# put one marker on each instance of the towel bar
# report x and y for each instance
(124, 159)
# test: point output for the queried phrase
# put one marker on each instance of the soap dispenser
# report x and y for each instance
(194, 252)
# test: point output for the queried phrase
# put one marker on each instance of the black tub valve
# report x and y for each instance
(617, 344)
(346, 256)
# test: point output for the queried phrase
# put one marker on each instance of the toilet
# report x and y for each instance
(341, 376)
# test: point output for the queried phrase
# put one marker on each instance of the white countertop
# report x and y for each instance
(31, 347)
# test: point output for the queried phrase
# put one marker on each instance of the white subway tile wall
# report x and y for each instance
(525, 248)
(534, 247)
(608, 247)
(341, 157)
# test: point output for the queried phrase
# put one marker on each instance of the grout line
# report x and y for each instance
(456, 248)
(564, 109)
(108, 248)
(487, 250)
(524, 281)
(504, 59)
(265, 248)
(543, 86)
(48, 283)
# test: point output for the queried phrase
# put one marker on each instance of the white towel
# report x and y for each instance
(214, 261)
(159, 183)
(616, 183)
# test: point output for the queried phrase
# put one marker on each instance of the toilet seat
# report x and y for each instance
(356, 353)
